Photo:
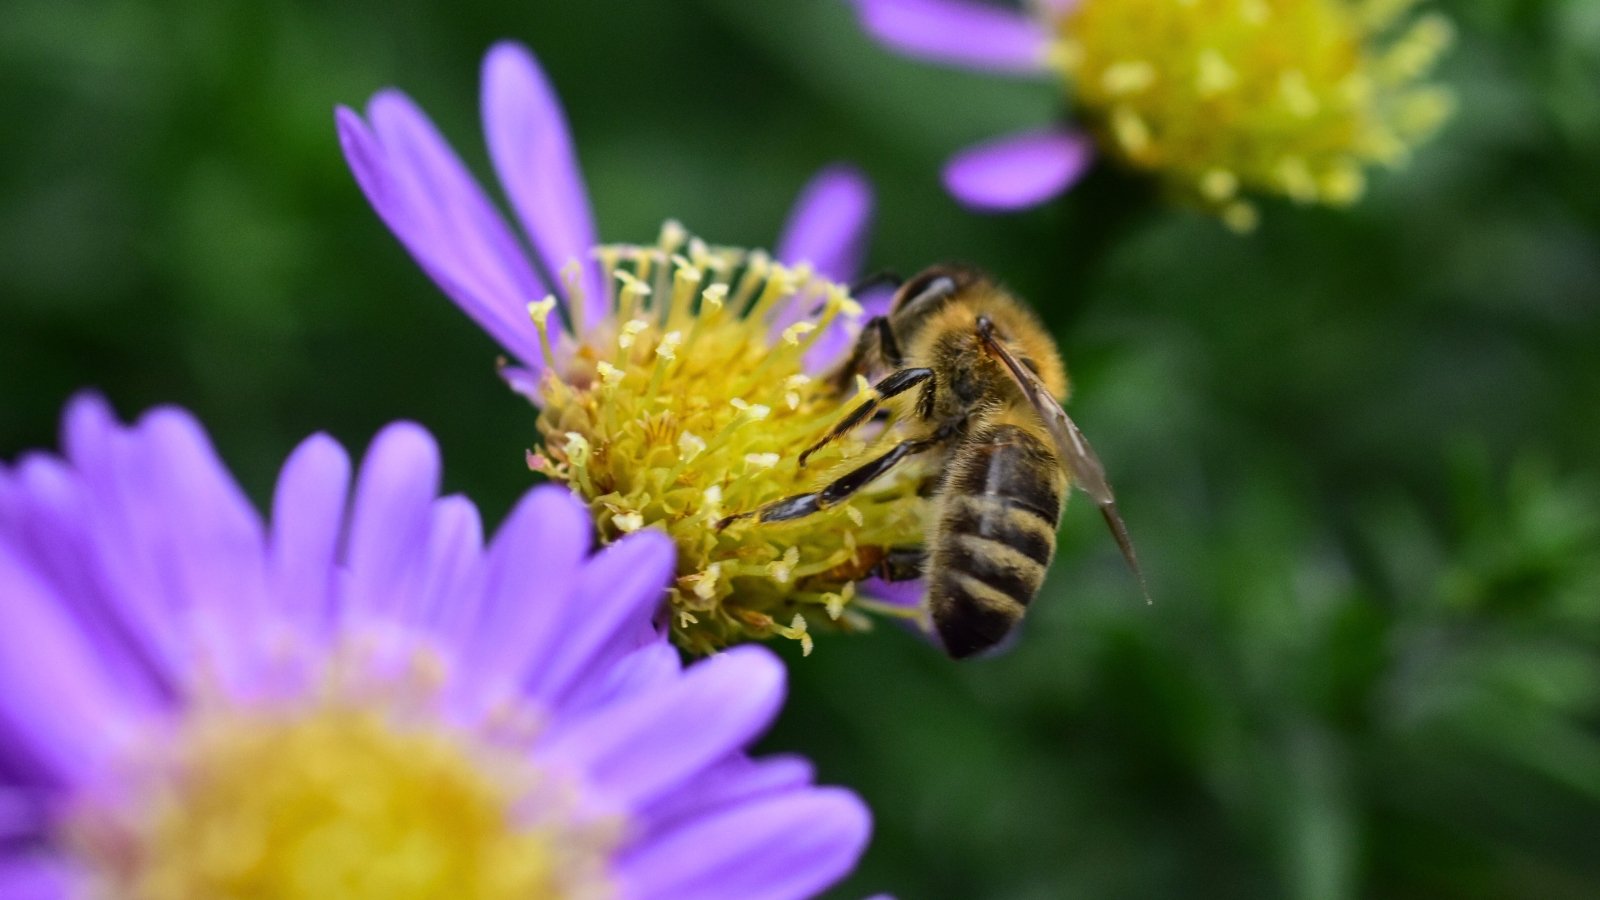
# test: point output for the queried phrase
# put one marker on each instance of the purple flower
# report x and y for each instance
(677, 381)
(1293, 98)
(362, 697)
(423, 192)
(1012, 172)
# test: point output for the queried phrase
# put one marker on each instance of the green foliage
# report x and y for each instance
(1356, 448)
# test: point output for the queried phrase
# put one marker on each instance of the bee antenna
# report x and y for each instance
(1119, 531)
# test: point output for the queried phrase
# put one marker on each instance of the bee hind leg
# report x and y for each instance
(902, 564)
(892, 385)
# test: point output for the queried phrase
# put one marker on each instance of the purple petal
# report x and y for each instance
(448, 569)
(906, 594)
(786, 845)
(65, 509)
(26, 876)
(209, 533)
(433, 205)
(656, 663)
(23, 812)
(829, 222)
(308, 513)
(618, 593)
(735, 780)
(61, 715)
(49, 523)
(1019, 170)
(533, 154)
(522, 381)
(528, 596)
(389, 519)
(958, 32)
(88, 429)
(635, 751)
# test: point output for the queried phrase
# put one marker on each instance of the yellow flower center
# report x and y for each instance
(353, 794)
(1293, 97)
(693, 404)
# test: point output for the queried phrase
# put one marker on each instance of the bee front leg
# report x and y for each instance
(876, 334)
(801, 505)
(892, 385)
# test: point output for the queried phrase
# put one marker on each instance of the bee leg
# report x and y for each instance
(801, 505)
(894, 384)
(902, 564)
(876, 333)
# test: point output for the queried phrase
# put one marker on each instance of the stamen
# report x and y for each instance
(678, 415)
(1291, 97)
(360, 788)
(539, 311)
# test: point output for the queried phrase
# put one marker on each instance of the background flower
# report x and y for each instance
(1355, 445)
(1220, 99)
(364, 697)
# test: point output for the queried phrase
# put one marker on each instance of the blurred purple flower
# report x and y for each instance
(1220, 100)
(1012, 172)
(362, 697)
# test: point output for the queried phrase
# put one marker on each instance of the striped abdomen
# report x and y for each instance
(1000, 505)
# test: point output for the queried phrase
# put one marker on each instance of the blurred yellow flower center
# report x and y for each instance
(1294, 97)
(346, 797)
(693, 403)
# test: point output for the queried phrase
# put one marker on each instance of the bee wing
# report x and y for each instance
(1077, 457)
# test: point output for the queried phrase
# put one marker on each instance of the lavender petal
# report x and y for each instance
(735, 780)
(440, 600)
(959, 33)
(640, 749)
(208, 536)
(533, 155)
(1019, 170)
(61, 715)
(829, 222)
(904, 594)
(530, 571)
(395, 489)
(308, 508)
(29, 876)
(631, 576)
(657, 662)
(439, 212)
(785, 845)
(48, 523)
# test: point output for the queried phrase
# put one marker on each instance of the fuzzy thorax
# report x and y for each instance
(1221, 97)
(691, 401)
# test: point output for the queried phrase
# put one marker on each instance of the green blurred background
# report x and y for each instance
(1356, 448)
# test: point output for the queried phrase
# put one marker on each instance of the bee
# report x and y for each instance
(987, 376)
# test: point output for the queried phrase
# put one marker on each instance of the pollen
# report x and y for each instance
(353, 793)
(1288, 97)
(691, 402)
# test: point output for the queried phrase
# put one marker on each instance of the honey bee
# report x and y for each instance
(987, 376)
